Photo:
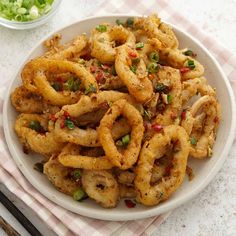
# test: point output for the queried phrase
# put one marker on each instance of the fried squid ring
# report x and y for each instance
(26, 101)
(35, 80)
(126, 159)
(153, 149)
(101, 186)
(139, 86)
(41, 142)
(59, 176)
(71, 157)
(89, 137)
(104, 44)
(194, 86)
(154, 28)
(202, 127)
(175, 58)
(70, 51)
(170, 77)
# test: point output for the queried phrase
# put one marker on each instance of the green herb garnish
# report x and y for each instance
(79, 195)
(69, 124)
(119, 22)
(57, 86)
(126, 139)
(90, 89)
(76, 174)
(154, 57)
(101, 28)
(139, 45)
(72, 84)
(191, 64)
(188, 53)
(130, 22)
(169, 98)
(35, 125)
(113, 70)
(133, 68)
(136, 60)
(152, 67)
(161, 88)
(193, 141)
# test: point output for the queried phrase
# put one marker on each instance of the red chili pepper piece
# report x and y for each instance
(93, 69)
(66, 114)
(216, 119)
(184, 70)
(129, 203)
(183, 115)
(133, 54)
(53, 117)
(157, 127)
(59, 79)
(62, 125)
(99, 77)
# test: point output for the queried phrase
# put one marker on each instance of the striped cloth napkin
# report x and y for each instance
(62, 221)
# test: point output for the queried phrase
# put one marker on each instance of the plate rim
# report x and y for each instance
(111, 216)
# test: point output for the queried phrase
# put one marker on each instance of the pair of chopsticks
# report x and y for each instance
(18, 215)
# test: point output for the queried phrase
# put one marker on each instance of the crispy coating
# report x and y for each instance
(101, 186)
(153, 149)
(129, 157)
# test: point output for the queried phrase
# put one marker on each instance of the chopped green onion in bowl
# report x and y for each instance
(24, 10)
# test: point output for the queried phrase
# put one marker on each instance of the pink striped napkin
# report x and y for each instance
(59, 219)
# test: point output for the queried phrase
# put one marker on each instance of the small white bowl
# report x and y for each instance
(33, 23)
(204, 170)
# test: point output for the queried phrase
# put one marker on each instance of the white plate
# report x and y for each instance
(204, 170)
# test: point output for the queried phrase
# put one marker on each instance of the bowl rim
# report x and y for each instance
(149, 212)
(24, 25)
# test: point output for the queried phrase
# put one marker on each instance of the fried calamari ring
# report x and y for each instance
(139, 86)
(175, 58)
(101, 186)
(70, 51)
(202, 127)
(34, 79)
(171, 78)
(89, 137)
(59, 176)
(104, 44)
(154, 28)
(153, 149)
(194, 86)
(126, 159)
(71, 157)
(39, 141)
(26, 101)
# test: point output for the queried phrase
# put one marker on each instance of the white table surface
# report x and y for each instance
(212, 212)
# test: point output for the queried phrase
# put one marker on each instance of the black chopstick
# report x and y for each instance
(19, 215)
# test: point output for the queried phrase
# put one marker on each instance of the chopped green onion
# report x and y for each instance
(126, 139)
(147, 114)
(90, 89)
(136, 60)
(24, 10)
(152, 67)
(69, 124)
(130, 22)
(72, 84)
(79, 194)
(154, 56)
(193, 141)
(161, 88)
(57, 86)
(133, 68)
(113, 70)
(139, 45)
(191, 64)
(76, 174)
(101, 28)
(119, 22)
(169, 98)
(188, 53)
(35, 125)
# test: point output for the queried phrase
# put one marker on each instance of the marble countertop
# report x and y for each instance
(212, 212)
